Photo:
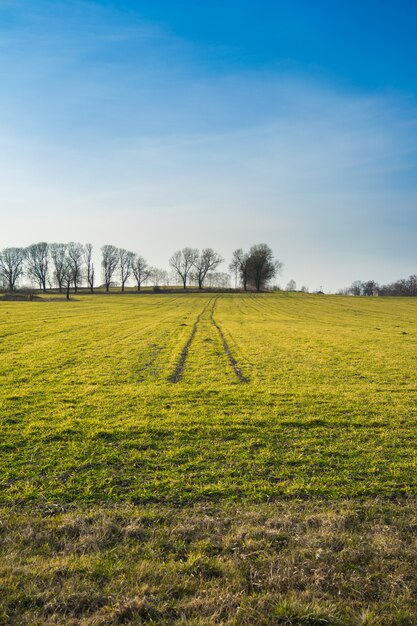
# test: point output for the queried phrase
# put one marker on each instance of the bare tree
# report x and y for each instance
(234, 265)
(262, 266)
(206, 262)
(158, 276)
(401, 287)
(291, 285)
(370, 288)
(218, 279)
(88, 260)
(182, 262)
(109, 262)
(356, 288)
(140, 270)
(75, 254)
(125, 265)
(240, 265)
(412, 285)
(68, 269)
(58, 256)
(37, 258)
(11, 265)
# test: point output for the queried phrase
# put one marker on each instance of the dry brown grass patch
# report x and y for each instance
(311, 562)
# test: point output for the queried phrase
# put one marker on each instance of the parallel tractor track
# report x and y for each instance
(237, 370)
(176, 376)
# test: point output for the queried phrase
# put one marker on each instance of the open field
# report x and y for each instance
(208, 459)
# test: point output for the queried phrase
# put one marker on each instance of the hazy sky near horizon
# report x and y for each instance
(155, 124)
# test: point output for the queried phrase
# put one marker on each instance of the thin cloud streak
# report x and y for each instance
(143, 150)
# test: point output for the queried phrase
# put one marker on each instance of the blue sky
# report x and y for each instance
(158, 124)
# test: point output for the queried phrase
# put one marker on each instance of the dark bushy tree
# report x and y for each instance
(370, 288)
(262, 265)
(256, 267)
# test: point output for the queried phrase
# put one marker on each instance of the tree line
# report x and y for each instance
(401, 287)
(70, 266)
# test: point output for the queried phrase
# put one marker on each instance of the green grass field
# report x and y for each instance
(208, 458)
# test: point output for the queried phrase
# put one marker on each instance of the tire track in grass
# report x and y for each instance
(177, 374)
(235, 366)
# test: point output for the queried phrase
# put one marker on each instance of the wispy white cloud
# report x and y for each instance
(115, 134)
